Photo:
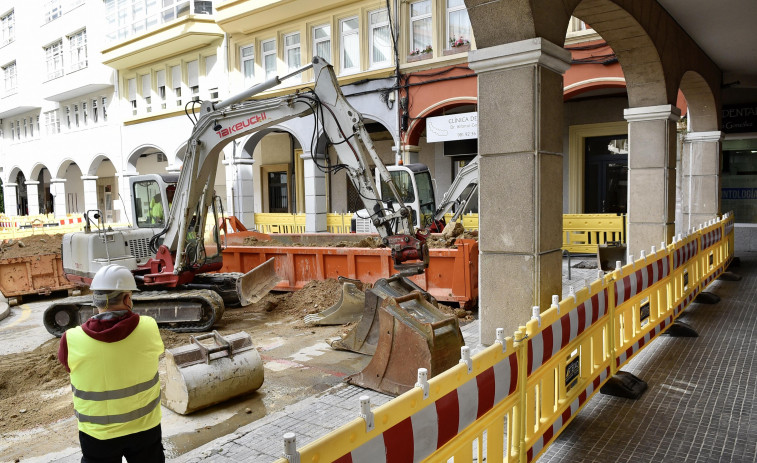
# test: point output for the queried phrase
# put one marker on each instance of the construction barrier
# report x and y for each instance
(511, 400)
(335, 223)
(582, 233)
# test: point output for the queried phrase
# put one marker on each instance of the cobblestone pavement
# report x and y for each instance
(698, 408)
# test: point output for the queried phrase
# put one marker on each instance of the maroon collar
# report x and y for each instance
(111, 329)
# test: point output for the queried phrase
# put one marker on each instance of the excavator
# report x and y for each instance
(172, 259)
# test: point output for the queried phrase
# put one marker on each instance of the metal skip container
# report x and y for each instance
(201, 374)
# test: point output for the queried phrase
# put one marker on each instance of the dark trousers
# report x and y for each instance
(142, 447)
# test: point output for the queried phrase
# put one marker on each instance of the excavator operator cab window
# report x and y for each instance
(426, 199)
(148, 204)
(404, 183)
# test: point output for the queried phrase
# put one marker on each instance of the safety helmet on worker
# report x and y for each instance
(113, 277)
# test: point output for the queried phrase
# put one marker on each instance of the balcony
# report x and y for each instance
(246, 16)
(184, 26)
(77, 82)
(14, 104)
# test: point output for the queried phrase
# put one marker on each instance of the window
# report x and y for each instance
(269, 58)
(147, 92)
(176, 83)
(322, 42)
(458, 24)
(18, 129)
(132, 95)
(84, 112)
(52, 124)
(13, 131)
(193, 79)
(211, 76)
(76, 115)
(292, 52)
(278, 196)
(25, 132)
(68, 117)
(77, 47)
(9, 75)
(350, 46)
(104, 106)
(31, 127)
(381, 38)
(94, 111)
(8, 26)
(160, 80)
(54, 59)
(127, 18)
(247, 57)
(420, 26)
(52, 10)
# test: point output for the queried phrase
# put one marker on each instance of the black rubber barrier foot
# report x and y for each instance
(735, 262)
(625, 385)
(729, 276)
(681, 330)
(707, 298)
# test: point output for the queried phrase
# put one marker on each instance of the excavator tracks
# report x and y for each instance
(182, 311)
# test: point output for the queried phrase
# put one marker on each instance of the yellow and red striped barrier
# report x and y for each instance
(511, 400)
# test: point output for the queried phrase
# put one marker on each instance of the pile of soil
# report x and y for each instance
(31, 246)
(28, 386)
(367, 242)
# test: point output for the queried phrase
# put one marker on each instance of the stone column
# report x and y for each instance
(315, 194)
(701, 164)
(651, 176)
(520, 90)
(10, 191)
(410, 154)
(58, 190)
(243, 201)
(32, 196)
(90, 192)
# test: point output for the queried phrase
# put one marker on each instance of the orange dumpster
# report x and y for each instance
(452, 274)
(40, 274)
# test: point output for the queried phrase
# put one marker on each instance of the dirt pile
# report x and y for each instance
(367, 242)
(31, 384)
(31, 246)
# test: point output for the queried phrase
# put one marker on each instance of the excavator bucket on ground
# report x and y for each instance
(202, 374)
(364, 336)
(349, 308)
(256, 283)
(413, 334)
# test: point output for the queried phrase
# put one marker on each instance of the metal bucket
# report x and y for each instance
(349, 308)
(199, 375)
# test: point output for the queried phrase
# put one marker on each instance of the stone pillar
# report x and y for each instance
(410, 154)
(90, 192)
(32, 196)
(651, 176)
(242, 191)
(315, 194)
(701, 164)
(58, 190)
(520, 90)
(10, 191)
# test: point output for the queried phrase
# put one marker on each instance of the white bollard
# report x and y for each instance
(365, 413)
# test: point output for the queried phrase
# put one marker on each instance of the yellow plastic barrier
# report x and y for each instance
(280, 223)
(582, 233)
(510, 401)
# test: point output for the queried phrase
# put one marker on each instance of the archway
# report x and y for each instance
(103, 191)
(147, 159)
(22, 200)
(68, 189)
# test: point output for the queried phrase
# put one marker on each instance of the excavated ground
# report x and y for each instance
(31, 246)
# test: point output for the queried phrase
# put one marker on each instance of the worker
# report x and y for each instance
(156, 209)
(113, 362)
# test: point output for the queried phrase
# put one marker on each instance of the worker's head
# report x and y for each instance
(111, 288)
(156, 198)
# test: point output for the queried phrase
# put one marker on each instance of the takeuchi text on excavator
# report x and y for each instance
(169, 254)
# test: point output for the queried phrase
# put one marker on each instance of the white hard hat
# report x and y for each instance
(113, 277)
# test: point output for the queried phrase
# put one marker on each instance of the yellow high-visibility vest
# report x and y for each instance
(115, 384)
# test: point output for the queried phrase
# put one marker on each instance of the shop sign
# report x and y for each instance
(740, 118)
(452, 127)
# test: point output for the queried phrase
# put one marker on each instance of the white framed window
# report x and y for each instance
(84, 113)
(68, 117)
(458, 24)
(31, 127)
(26, 134)
(292, 53)
(380, 38)
(52, 10)
(7, 28)
(104, 101)
(193, 79)
(37, 122)
(13, 131)
(94, 111)
(211, 76)
(18, 129)
(160, 85)
(9, 76)
(349, 44)
(268, 49)
(322, 42)
(76, 115)
(420, 26)
(176, 84)
(247, 60)
(131, 85)
(146, 91)
(54, 59)
(77, 48)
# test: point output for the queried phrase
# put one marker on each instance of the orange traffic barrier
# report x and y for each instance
(452, 274)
